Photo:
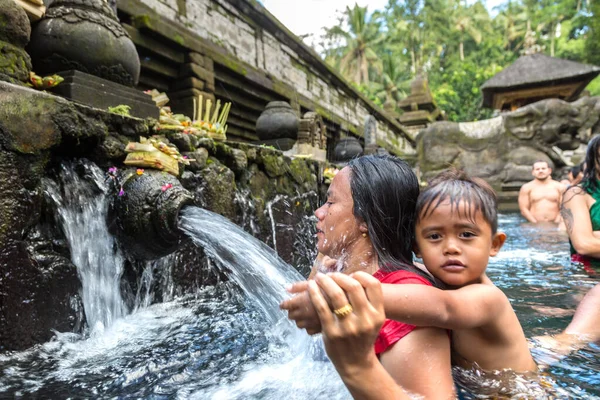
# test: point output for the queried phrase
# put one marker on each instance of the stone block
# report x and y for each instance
(194, 70)
(188, 83)
(101, 93)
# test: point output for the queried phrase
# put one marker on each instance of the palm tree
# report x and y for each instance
(469, 22)
(513, 20)
(358, 43)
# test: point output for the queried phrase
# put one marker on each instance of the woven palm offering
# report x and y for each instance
(154, 153)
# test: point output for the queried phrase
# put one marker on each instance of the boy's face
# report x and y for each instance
(455, 248)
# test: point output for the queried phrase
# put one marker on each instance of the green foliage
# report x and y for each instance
(121, 109)
(594, 87)
(457, 44)
(457, 91)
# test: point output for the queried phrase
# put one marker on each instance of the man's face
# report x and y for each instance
(541, 171)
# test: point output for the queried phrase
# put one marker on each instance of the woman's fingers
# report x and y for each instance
(332, 291)
(372, 288)
(320, 304)
(291, 304)
(353, 288)
(298, 287)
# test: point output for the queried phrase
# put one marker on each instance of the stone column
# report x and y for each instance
(370, 135)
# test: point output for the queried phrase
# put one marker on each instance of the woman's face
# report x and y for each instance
(337, 227)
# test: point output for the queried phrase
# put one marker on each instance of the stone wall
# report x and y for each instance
(271, 196)
(252, 59)
(502, 150)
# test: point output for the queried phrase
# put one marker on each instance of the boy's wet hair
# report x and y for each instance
(456, 186)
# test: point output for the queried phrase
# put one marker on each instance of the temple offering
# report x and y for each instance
(154, 153)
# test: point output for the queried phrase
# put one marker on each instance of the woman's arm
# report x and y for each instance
(349, 340)
(586, 320)
(576, 215)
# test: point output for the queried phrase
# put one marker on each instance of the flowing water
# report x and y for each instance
(80, 198)
(230, 341)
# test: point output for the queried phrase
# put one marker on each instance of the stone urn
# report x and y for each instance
(145, 213)
(15, 29)
(84, 35)
(277, 121)
(346, 149)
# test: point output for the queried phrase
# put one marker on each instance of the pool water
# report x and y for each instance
(534, 271)
(227, 341)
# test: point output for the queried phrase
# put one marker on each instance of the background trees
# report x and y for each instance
(459, 44)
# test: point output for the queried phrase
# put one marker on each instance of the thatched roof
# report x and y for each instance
(538, 70)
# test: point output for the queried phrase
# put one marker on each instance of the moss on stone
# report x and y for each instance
(222, 150)
(273, 163)
(141, 21)
(300, 171)
(179, 39)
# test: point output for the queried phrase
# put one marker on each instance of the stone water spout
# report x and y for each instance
(145, 212)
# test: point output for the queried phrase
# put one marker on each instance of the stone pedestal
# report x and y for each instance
(101, 93)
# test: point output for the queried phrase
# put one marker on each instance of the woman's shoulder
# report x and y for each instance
(401, 277)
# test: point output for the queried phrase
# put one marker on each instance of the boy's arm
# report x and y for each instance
(471, 306)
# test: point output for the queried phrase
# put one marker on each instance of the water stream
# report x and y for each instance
(80, 198)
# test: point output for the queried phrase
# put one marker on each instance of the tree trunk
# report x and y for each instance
(461, 51)
(413, 58)
(552, 39)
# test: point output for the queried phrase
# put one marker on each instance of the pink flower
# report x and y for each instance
(167, 186)
(121, 192)
(112, 170)
(140, 171)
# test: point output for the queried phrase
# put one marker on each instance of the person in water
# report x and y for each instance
(456, 233)
(365, 199)
(539, 199)
(581, 211)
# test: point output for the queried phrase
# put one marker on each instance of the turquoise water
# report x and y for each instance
(534, 271)
(229, 341)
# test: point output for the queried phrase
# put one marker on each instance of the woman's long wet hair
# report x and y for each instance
(385, 191)
(589, 180)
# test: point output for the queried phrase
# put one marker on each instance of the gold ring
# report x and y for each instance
(343, 311)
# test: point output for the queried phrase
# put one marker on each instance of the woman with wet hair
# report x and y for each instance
(581, 211)
(367, 224)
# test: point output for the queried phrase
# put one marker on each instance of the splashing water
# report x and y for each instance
(82, 206)
(253, 265)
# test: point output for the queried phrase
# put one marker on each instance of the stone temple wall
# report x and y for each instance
(270, 195)
(254, 58)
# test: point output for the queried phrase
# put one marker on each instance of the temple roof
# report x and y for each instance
(539, 68)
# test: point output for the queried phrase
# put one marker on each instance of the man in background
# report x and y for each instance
(540, 199)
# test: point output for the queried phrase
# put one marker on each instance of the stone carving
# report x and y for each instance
(15, 30)
(277, 121)
(86, 35)
(146, 218)
(370, 135)
(502, 149)
(346, 149)
(312, 131)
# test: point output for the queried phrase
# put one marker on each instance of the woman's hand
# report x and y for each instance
(349, 333)
(300, 309)
(348, 339)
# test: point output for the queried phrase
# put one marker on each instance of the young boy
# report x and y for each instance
(456, 233)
